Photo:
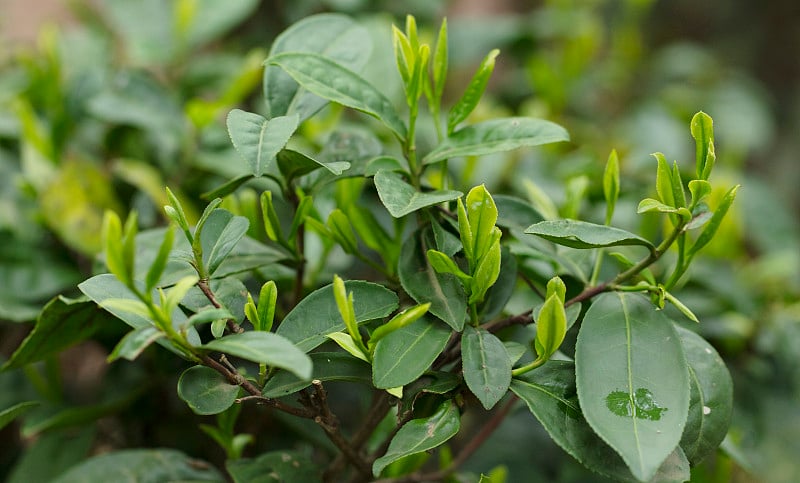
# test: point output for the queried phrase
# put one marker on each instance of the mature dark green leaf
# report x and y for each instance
(62, 323)
(515, 212)
(403, 355)
(497, 135)
(259, 140)
(486, 365)
(424, 284)
(206, 391)
(317, 315)
(420, 435)
(141, 465)
(135, 342)
(51, 454)
(711, 401)
(549, 391)
(274, 467)
(265, 348)
(581, 234)
(9, 414)
(400, 198)
(636, 402)
(335, 36)
(330, 80)
(294, 164)
(328, 366)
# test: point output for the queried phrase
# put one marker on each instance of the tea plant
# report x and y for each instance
(362, 264)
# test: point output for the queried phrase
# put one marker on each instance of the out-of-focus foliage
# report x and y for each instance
(103, 115)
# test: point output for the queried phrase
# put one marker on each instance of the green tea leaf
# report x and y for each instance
(400, 198)
(702, 128)
(328, 366)
(711, 402)
(264, 348)
(346, 342)
(581, 234)
(486, 365)
(664, 181)
(699, 189)
(444, 291)
(62, 323)
(274, 467)
(206, 391)
(135, 342)
(112, 247)
(267, 300)
(9, 414)
(317, 314)
(342, 231)
(226, 233)
(550, 394)
(636, 402)
(141, 465)
(406, 353)
(101, 288)
(487, 271)
(160, 262)
(497, 135)
(330, 80)
(713, 224)
(259, 140)
(294, 164)
(473, 93)
(551, 327)
(440, 61)
(335, 36)
(513, 212)
(420, 435)
(611, 184)
(399, 321)
(209, 315)
(444, 264)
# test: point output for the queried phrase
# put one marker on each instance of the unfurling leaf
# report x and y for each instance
(551, 327)
(713, 224)
(611, 184)
(702, 129)
(398, 322)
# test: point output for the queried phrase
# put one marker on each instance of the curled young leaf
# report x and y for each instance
(702, 129)
(611, 184)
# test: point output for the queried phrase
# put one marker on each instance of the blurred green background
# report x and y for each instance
(104, 103)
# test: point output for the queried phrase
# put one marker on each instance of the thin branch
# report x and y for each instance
(206, 289)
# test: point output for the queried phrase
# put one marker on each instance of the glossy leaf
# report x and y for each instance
(335, 36)
(135, 342)
(328, 366)
(700, 189)
(636, 402)
(317, 315)
(497, 135)
(711, 401)
(420, 435)
(206, 391)
(551, 396)
(581, 234)
(513, 212)
(473, 93)
(486, 365)
(259, 140)
(330, 80)
(141, 465)
(702, 129)
(444, 291)
(62, 323)
(209, 315)
(274, 467)
(664, 181)
(9, 414)
(264, 348)
(404, 354)
(397, 322)
(400, 198)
